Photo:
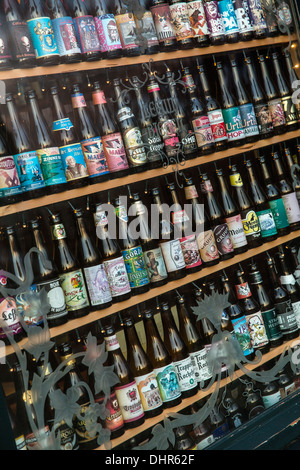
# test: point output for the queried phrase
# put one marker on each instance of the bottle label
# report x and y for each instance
(205, 442)
(149, 392)
(292, 207)
(257, 15)
(21, 43)
(279, 213)
(288, 279)
(9, 179)
(236, 180)
(263, 118)
(42, 35)
(170, 137)
(163, 23)
(213, 19)
(217, 125)
(94, 156)
(270, 400)
(147, 30)
(135, 266)
(267, 223)
(180, 20)
(80, 425)
(67, 435)
(173, 256)
(167, 383)
(272, 324)
(114, 419)
(227, 12)
(249, 120)
(117, 276)
(78, 101)
(242, 16)
(127, 30)
(251, 224)
(153, 143)
(236, 229)
(243, 290)
(284, 13)
(115, 152)
(111, 343)
(52, 166)
(108, 34)
(242, 334)
(233, 123)
(31, 316)
(97, 285)
(289, 109)
(223, 239)
(197, 18)
(20, 442)
(86, 33)
(179, 216)
(56, 298)
(9, 315)
(257, 330)
(190, 192)
(62, 124)
(134, 146)
(185, 374)
(130, 402)
(277, 112)
(58, 232)
(29, 171)
(201, 369)
(190, 251)
(75, 291)
(65, 35)
(208, 247)
(74, 162)
(296, 309)
(155, 265)
(286, 317)
(202, 131)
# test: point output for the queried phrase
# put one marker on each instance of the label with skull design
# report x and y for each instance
(214, 19)
(108, 32)
(65, 36)
(4, 47)
(21, 43)
(42, 35)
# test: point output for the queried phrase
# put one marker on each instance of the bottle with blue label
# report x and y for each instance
(107, 29)
(86, 31)
(229, 19)
(42, 34)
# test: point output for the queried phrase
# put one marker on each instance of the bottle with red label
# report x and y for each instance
(107, 29)
(127, 28)
(198, 22)
(86, 31)
(181, 24)
(160, 10)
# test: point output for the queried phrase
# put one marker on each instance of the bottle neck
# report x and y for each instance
(282, 87)
(240, 91)
(257, 94)
(269, 87)
(204, 82)
(228, 100)
(43, 136)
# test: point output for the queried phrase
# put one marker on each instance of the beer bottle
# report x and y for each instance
(154, 261)
(232, 217)
(275, 200)
(106, 26)
(93, 268)
(243, 20)
(285, 94)
(19, 35)
(202, 433)
(132, 252)
(246, 107)
(258, 98)
(47, 278)
(216, 218)
(70, 272)
(214, 22)
(261, 205)
(229, 19)
(181, 24)
(246, 209)
(253, 314)
(170, 246)
(47, 150)
(288, 194)
(198, 116)
(219, 423)
(73, 379)
(112, 257)
(270, 17)
(254, 404)
(293, 169)
(142, 370)
(160, 10)
(146, 29)
(127, 28)
(183, 441)
(214, 113)
(292, 251)
(274, 101)
(194, 343)
(10, 186)
(126, 390)
(291, 78)
(289, 283)
(200, 226)
(68, 142)
(20, 425)
(86, 31)
(6, 58)
(162, 364)
(42, 34)
(231, 111)
(32, 180)
(286, 382)
(258, 21)
(270, 393)
(90, 140)
(198, 23)
(234, 413)
(266, 305)
(284, 17)
(134, 145)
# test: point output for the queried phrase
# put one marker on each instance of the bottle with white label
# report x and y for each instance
(289, 283)
(270, 393)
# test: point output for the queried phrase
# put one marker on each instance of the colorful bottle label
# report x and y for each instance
(251, 223)
(52, 166)
(272, 324)
(31, 316)
(202, 131)
(201, 369)
(227, 12)
(65, 36)
(173, 256)
(9, 315)
(291, 205)
(185, 374)
(242, 16)
(207, 246)
(290, 111)
(135, 266)
(117, 276)
(279, 213)
(257, 330)
(108, 33)
(86, 33)
(163, 22)
(127, 30)
(277, 112)
(267, 223)
(74, 162)
(74, 288)
(263, 118)
(149, 391)
(180, 20)
(242, 334)
(29, 171)
(168, 383)
(42, 35)
(249, 120)
(130, 402)
(97, 285)
(147, 30)
(286, 317)
(94, 156)
(243, 290)
(56, 298)
(213, 19)
(134, 145)
(270, 400)
(257, 15)
(233, 123)
(170, 137)
(114, 419)
(9, 179)
(190, 251)
(115, 152)
(217, 125)
(21, 43)
(197, 18)
(237, 232)
(155, 265)
(223, 239)
(62, 124)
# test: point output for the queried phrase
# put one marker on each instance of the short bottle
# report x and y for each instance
(107, 29)
(181, 24)
(124, 15)
(160, 10)
(230, 24)
(86, 31)
(198, 23)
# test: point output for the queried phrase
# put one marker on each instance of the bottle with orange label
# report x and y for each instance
(127, 28)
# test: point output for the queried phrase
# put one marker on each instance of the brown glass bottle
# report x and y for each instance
(86, 31)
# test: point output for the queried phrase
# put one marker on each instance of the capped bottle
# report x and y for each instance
(285, 17)
(160, 10)
(270, 17)
(126, 389)
(243, 20)
(162, 363)
(234, 413)
(230, 24)
(42, 34)
(291, 164)
(181, 24)
(70, 271)
(47, 150)
(146, 29)
(258, 20)
(86, 31)
(286, 382)
(89, 137)
(20, 425)
(183, 441)
(214, 22)
(142, 369)
(107, 30)
(288, 281)
(202, 433)
(253, 403)
(218, 422)
(10, 185)
(6, 57)
(198, 23)
(124, 17)
(291, 78)
(270, 393)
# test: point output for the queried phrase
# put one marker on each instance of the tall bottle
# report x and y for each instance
(19, 35)
(47, 150)
(68, 142)
(142, 370)
(243, 20)
(126, 390)
(127, 28)
(214, 22)
(288, 281)
(246, 208)
(6, 58)
(42, 34)
(231, 112)
(161, 361)
(94, 271)
(291, 165)
(110, 43)
(10, 185)
(160, 10)
(21, 427)
(258, 21)
(181, 24)
(198, 23)
(25, 156)
(86, 31)
(70, 271)
(230, 24)
(291, 77)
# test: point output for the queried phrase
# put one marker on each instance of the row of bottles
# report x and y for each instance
(54, 33)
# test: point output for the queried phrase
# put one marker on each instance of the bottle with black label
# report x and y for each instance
(160, 10)
(86, 31)
(289, 283)
(146, 29)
